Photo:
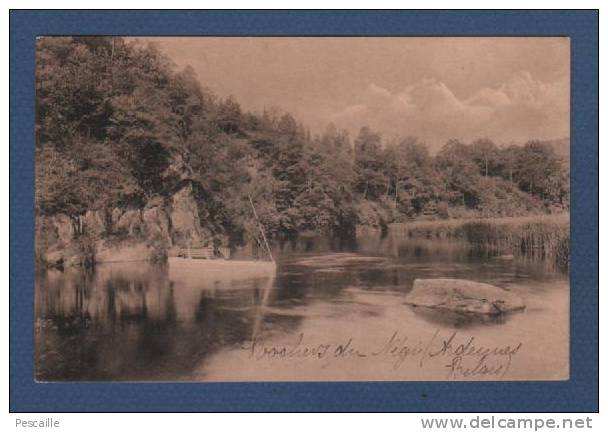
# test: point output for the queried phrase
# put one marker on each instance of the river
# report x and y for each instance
(331, 312)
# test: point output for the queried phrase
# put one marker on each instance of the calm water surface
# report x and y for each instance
(329, 313)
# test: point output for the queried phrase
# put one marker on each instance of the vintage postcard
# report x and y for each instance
(302, 209)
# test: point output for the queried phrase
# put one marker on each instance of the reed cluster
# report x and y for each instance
(543, 237)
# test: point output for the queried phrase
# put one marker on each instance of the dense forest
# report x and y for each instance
(118, 126)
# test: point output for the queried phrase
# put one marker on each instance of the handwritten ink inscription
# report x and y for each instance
(459, 356)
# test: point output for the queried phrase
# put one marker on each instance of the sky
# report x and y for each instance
(507, 89)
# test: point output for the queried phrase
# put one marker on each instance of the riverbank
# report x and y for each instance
(543, 237)
(122, 234)
(150, 235)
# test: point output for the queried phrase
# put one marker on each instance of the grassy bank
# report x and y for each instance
(543, 237)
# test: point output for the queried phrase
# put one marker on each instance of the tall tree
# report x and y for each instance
(485, 154)
(369, 177)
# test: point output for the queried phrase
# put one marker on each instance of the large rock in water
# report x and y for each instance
(460, 295)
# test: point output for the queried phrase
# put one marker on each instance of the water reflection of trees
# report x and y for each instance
(132, 322)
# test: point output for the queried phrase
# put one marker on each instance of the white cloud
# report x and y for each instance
(520, 109)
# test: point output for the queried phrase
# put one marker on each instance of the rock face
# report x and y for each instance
(94, 223)
(115, 215)
(156, 223)
(63, 227)
(121, 253)
(463, 296)
(130, 222)
(124, 234)
(185, 220)
(51, 230)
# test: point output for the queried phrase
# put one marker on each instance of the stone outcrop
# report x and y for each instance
(63, 228)
(106, 252)
(94, 223)
(463, 296)
(47, 233)
(185, 221)
(122, 234)
(115, 215)
(156, 223)
(129, 222)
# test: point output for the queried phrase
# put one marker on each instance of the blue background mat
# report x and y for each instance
(580, 393)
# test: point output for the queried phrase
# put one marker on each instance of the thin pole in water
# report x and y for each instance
(261, 228)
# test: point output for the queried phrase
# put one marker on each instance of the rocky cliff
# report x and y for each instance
(121, 234)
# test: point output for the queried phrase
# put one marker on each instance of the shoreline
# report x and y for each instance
(534, 233)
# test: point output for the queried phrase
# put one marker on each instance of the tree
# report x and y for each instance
(509, 157)
(229, 116)
(369, 177)
(412, 182)
(485, 154)
(118, 126)
(455, 162)
(539, 171)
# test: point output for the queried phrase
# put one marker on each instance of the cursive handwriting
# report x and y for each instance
(486, 360)
(461, 355)
(399, 348)
(259, 350)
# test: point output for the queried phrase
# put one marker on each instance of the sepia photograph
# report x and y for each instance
(247, 209)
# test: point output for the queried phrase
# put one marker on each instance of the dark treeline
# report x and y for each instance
(118, 126)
